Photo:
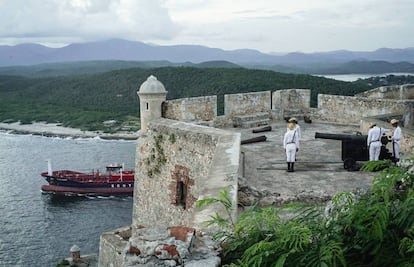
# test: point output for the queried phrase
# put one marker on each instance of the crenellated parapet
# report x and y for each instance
(195, 109)
(395, 92)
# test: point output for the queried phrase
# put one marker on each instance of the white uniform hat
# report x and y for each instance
(394, 121)
(372, 124)
(293, 119)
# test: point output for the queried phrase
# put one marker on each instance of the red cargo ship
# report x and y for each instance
(114, 182)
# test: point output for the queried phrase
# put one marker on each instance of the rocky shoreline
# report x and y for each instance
(55, 130)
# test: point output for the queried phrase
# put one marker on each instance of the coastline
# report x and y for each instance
(55, 130)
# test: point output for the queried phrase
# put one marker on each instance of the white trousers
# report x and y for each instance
(290, 152)
(396, 150)
(374, 150)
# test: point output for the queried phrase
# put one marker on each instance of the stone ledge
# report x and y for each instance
(252, 120)
(256, 123)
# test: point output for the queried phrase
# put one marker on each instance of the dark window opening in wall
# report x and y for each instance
(163, 109)
(271, 100)
(180, 188)
(147, 105)
(181, 194)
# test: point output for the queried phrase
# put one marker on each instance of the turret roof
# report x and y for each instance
(152, 85)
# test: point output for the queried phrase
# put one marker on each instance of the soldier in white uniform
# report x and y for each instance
(374, 141)
(297, 129)
(291, 145)
(396, 139)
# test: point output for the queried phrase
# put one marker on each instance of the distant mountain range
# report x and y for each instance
(118, 49)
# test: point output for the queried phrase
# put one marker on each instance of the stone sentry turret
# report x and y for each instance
(151, 94)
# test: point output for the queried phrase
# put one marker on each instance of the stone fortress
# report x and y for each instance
(186, 152)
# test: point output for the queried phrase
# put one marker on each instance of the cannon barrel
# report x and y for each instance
(256, 139)
(262, 129)
(354, 137)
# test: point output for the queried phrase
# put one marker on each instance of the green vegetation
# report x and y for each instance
(387, 80)
(63, 263)
(373, 229)
(98, 66)
(157, 157)
(86, 101)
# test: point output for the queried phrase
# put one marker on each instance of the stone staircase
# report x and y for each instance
(251, 120)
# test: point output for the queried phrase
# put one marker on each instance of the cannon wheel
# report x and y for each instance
(349, 164)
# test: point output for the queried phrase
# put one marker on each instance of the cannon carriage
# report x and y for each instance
(354, 148)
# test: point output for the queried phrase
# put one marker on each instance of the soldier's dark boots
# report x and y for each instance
(291, 167)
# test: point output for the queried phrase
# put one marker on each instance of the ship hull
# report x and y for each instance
(113, 183)
(89, 191)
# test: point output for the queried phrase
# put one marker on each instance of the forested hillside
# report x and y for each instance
(87, 100)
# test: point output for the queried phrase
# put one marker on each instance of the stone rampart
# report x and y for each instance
(203, 110)
(407, 142)
(403, 93)
(179, 163)
(291, 101)
(247, 103)
(350, 109)
(191, 109)
(295, 102)
(396, 92)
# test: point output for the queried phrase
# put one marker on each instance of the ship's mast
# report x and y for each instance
(122, 168)
(49, 167)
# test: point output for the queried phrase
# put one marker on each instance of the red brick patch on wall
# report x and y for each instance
(181, 232)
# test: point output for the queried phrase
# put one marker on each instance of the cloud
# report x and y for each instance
(299, 25)
(86, 19)
(265, 25)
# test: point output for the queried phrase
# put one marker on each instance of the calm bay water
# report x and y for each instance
(354, 77)
(38, 229)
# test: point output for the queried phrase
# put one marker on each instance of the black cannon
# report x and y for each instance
(256, 139)
(354, 148)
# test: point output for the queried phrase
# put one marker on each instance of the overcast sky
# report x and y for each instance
(264, 25)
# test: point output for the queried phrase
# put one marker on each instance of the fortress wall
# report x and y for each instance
(291, 99)
(112, 247)
(295, 102)
(389, 92)
(350, 109)
(178, 163)
(191, 109)
(247, 103)
(407, 142)
(408, 116)
(407, 91)
(396, 92)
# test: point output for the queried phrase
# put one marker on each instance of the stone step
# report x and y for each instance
(256, 123)
(252, 120)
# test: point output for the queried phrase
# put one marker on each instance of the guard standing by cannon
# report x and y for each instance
(354, 148)
(374, 141)
(396, 139)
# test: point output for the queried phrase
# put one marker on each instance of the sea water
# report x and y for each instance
(39, 229)
(355, 77)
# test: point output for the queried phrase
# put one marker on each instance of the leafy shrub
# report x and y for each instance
(372, 229)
